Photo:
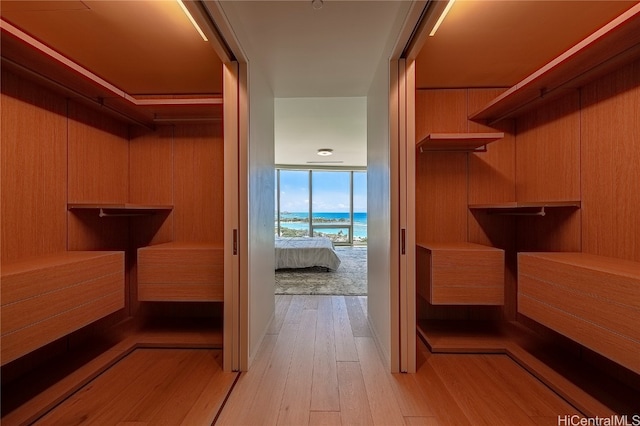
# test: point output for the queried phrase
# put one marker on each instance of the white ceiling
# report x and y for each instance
(304, 125)
(303, 52)
(320, 65)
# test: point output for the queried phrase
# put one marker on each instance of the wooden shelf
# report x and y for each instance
(465, 142)
(527, 208)
(27, 56)
(123, 209)
(612, 46)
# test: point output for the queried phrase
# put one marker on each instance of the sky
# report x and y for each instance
(330, 191)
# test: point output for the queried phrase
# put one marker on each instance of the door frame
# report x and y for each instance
(403, 283)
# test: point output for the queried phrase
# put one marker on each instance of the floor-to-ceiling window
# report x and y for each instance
(329, 203)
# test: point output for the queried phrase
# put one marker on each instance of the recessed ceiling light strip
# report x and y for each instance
(193, 21)
(441, 18)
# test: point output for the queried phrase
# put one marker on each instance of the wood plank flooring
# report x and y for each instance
(319, 365)
(151, 387)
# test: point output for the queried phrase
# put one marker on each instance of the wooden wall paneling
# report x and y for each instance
(492, 177)
(611, 165)
(548, 152)
(441, 178)
(558, 230)
(440, 111)
(98, 157)
(88, 231)
(33, 170)
(492, 173)
(151, 165)
(151, 182)
(198, 183)
(441, 197)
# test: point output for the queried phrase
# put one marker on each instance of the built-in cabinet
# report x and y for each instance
(454, 268)
(92, 185)
(557, 194)
(111, 223)
(460, 274)
(591, 299)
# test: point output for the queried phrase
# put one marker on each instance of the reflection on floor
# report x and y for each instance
(151, 386)
(350, 279)
(320, 365)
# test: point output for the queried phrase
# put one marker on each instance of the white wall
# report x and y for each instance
(379, 209)
(304, 125)
(261, 209)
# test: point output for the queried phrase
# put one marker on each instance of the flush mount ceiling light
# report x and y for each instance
(325, 152)
(316, 4)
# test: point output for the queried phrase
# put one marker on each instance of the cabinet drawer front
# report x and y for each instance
(585, 298)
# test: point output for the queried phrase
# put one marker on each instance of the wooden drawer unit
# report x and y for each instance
(181, 271)
(593, 300)
(46, 298)
(460, 274)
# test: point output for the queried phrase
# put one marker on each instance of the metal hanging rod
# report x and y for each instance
(102, 213)
(538, 213)
(482, 148)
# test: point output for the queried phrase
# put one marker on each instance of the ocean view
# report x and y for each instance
(299, 221)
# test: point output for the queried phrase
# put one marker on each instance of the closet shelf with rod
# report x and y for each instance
(458, 142)
(123, 209)
(524, 208)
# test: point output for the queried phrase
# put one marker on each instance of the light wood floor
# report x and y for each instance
(319, 365)
(150, 387)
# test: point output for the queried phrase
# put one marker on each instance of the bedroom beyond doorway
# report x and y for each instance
(321, 231)
(350, 279)
(328, 203)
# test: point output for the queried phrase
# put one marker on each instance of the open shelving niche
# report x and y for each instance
(612, 46)
(27, 56)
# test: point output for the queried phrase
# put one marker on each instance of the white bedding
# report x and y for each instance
(305, 252)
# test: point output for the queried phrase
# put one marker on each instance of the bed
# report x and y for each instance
(305, 252)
